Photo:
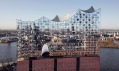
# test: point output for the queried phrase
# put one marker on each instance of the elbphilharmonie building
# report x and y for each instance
(76, 36)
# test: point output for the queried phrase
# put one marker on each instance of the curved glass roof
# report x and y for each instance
(91, 10)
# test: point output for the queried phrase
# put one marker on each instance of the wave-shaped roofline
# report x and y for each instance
(79, 10)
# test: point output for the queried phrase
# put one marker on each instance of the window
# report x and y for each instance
(83, 14)
(86, 22)
(77, 19)
(80, 21)
(86, 17)
(83, 19)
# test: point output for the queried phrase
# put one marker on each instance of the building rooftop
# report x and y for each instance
(56, 19)
(90, 10)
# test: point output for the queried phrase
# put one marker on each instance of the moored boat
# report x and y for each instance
(7, 39)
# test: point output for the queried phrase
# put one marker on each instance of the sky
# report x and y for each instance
(30, 10)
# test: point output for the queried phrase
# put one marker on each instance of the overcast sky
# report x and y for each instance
(10, 10)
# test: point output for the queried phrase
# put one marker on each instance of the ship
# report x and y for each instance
(8, 39)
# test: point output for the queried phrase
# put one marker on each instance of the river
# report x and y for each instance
(109, 57)
(8, 51)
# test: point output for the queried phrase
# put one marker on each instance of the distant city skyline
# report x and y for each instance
(10, 10)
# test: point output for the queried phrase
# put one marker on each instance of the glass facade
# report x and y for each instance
(82, 29)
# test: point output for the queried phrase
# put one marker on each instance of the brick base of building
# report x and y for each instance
(60, 64)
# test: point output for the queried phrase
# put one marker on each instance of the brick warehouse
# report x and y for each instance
(60, 64)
